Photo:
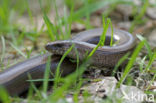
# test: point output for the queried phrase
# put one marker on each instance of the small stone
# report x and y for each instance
(124, 25)
(137, 2)
(152, 38)
(125, 10)
(107, 88)
(151, 12)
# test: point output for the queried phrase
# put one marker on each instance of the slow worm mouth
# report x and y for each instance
(95, 40)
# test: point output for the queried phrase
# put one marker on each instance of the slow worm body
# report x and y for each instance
(14, 79)
(85, 42)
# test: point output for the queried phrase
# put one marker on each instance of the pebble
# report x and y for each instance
(151, 12)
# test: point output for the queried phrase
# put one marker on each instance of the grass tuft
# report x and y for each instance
(130, 63)
(4, 96)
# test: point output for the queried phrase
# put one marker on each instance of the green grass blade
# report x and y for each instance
(88, 25)
(18, 50)
(120, 62)
(57, 74)
(138, 17)
(105, 28)
(146, 45)
(3, 48)
(29, 11)
(4, 97)
(112, 31)
(46, 75)
(70, 20)
(131, 62)
(150, 62)
(151, 82)
(39, 80)
(50, 27)
(102, 37)
(142, 63)
(34, 87)
(95, 6)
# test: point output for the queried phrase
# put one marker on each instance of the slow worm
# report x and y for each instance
(14, 79)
